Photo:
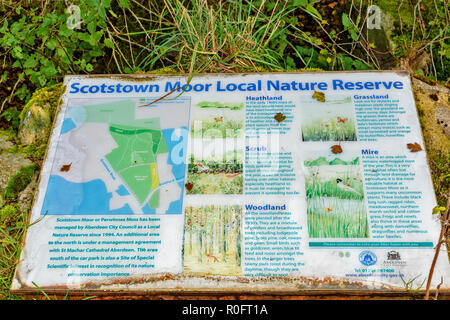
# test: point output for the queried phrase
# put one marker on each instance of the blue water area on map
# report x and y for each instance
(91, 197)
(122, 191)
(65, 197)
(147, 210)
(78, 114)
(176, 207)
(67, 125)
(177, 151)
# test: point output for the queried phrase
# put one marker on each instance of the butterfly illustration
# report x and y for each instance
(328, 209)
(202, 167)
(341, 120)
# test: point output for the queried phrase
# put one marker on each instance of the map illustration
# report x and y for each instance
(117, 157)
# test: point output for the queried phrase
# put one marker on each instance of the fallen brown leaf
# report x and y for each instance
(336, 148)
(65, 168)
(414, 147)
(280, 117)
(319, 96)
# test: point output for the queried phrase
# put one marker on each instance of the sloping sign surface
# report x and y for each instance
(231, 183)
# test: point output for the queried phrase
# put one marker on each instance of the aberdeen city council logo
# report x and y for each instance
(393, 255)
(367, 258)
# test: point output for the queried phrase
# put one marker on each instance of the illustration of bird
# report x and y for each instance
(345, 186)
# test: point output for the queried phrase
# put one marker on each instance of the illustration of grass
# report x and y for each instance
(212, 240)
(219, 105)
(348, 220)
(330, 129)
(333, 212)
(224, 120)
(218, 127)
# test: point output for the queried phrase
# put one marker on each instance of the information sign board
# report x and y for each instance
(274, 182)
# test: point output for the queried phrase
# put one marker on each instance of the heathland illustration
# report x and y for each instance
(328, 120)
(335, 199)
(214, 120)
(212, 240)
(216, 176)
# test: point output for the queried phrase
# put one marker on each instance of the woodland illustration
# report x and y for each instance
(212, 240)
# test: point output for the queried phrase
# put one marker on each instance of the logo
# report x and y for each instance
(393, 259)
(393, 255)
(367, 258)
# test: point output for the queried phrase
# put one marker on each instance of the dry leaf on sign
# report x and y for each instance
(65, 168)
(414, 147)
(279, 117)
(319, 96)
(336, 149)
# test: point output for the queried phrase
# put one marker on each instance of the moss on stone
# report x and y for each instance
(435, 138)
(19, 182)
(7, 212)
(437, 143)
(37, 115)
(45, 96)
(440, 173)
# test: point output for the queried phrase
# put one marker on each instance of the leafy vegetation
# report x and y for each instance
(42, 42)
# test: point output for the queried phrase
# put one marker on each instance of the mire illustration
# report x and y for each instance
(212, 240)
(335, 199)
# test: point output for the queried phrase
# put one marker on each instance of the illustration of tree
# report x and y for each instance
(212, 238)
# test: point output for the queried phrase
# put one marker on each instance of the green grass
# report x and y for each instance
(219, 105)
(215, 183)
(12, 228)
(332, 212)
(330, 189)
(197, 36)
(348, 218)
(331, 130)
(212, 129)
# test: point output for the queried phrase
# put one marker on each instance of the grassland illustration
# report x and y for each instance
(335, 199)
(216, 175)
(218, 120)
(328, 119)
(212, 240)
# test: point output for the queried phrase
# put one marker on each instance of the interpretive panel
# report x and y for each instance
(249, 182)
